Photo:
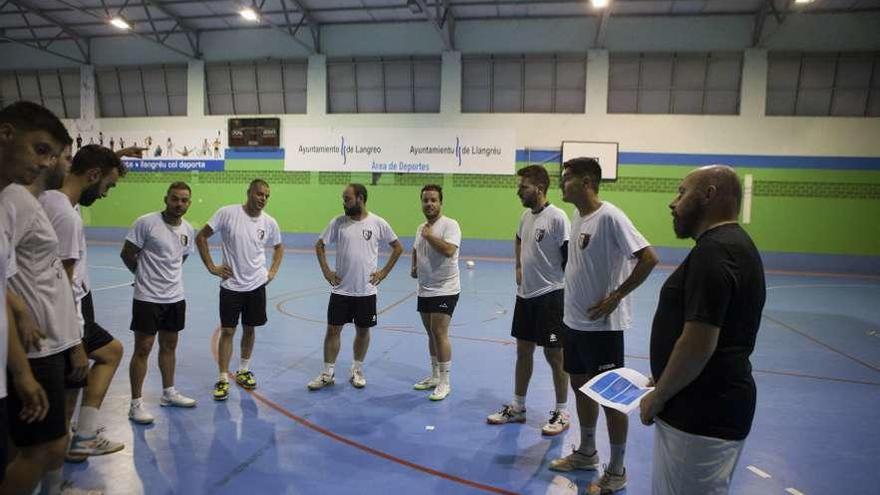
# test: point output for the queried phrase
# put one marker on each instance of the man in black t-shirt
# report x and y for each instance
(703, 333)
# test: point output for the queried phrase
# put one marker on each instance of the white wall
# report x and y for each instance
(749, 133)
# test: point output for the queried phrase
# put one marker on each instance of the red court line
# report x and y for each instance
(351, 443)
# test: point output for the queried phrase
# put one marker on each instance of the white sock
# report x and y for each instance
(138, 402)
(519, 402)
(52, 482)
(244, 364)
(444, 369)
(86, 425)
(561, 406)
(328, 368)
(357, 365)
(169, 391)
(588, 440)
(224, 377)
(435, 370)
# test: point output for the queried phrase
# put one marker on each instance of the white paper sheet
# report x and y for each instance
(621, 389)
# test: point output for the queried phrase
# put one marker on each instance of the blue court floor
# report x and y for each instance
(817, 365)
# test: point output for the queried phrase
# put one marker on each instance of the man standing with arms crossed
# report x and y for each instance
(541, 246)
(155, 249)
(435, 265)
(356, 235)
(246, 231)
(599, 275)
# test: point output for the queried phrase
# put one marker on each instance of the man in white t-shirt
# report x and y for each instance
(246, 231)
(356, 235)
(155, 249)
(40, 299)
(94, 171)
(435, 265)
(17, 128)
(607, 259)
(541, 247)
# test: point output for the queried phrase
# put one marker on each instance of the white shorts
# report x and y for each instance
(686, 464)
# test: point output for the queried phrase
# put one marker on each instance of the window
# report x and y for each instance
(141, 91)
(383, 85)
(524, 84)
(57, 90)
(256, 88)
(674, 83)
(829, 84)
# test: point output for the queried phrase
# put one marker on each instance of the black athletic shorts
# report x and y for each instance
(539, 319)
(49, 373)
(94, 335)
(437, 304)
(149, 317)
(361, 310)
(250, 305)
(590, 353)
(69, 384)
(4, 448)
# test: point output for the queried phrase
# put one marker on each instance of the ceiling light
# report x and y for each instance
(249, 14)
(120, 23)
(803, 1)
(599, 4)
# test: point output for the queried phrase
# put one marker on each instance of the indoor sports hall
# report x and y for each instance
(314, 95)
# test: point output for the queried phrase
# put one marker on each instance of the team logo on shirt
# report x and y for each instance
(539, 234)
(184, 240)
(368, 234)
(553, 338)
(583, 240)
(261, 234)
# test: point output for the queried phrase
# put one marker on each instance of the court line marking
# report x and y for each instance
(823, 286)
(109, 267)
(352, 443)
(410, 329)
(510, 259)
(117, 286)
(758, 472)
(823, 344)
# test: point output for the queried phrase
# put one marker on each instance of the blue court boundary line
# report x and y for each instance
(694, 159)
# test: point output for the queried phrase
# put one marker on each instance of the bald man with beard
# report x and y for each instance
(703, 333)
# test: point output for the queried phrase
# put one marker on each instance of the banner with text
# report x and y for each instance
(411, 150)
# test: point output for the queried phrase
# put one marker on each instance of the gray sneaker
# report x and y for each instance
(321, 381)
(608, 483)
(507, 414)
(576, 461)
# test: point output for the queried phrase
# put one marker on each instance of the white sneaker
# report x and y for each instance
(507, 414)
(440, 391)
(426, 383)
(357, 378)
(321, 381)
(139, 414)
(67, 488)
(558, 422)
(97, 445)
(176, 399)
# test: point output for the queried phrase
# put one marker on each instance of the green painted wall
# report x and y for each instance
(793, 210)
